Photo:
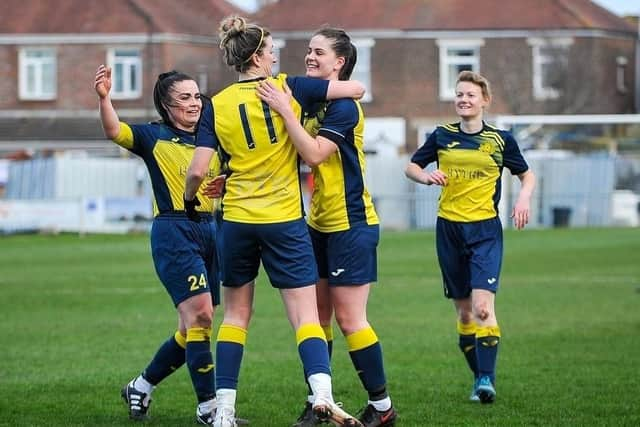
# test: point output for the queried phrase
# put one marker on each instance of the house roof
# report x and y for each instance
(446, 15)
(199, 17)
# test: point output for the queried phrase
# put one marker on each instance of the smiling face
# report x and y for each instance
(321, 61)
(469, 100)
(185, 105)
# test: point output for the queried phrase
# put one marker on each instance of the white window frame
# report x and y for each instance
(540, 60)
(447, 85)
(362, 70)
(132, 89)
(38, 64)
(278, 44)
(621, 67)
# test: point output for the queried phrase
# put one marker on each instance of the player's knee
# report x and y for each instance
(465, 316)
(349, 324)
(482, 309)
(239, 316)
(203, 318)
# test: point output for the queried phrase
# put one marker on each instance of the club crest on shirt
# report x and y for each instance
(313, 120)
(487, 147)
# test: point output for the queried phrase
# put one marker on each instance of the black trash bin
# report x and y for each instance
(561, 216)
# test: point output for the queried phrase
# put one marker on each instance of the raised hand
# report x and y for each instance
(102, 84)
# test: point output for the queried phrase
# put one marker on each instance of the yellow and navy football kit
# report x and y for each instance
(340, 198)
(263, 189)
(343, 222)
(262, 209)
(184, 252)
(263, 185)
(468, 229)
(344, 226)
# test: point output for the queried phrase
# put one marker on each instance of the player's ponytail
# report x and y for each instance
(349, 63)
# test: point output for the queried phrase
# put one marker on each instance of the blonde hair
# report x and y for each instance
(240, 40)
(478, 80)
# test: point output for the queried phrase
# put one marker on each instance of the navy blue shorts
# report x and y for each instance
(184, 254)
(470, 255)
(284, 249)
(347, 257)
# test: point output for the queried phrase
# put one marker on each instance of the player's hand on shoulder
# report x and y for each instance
(277, 99)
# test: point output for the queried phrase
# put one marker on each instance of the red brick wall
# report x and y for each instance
(405, 79)
(77, 63)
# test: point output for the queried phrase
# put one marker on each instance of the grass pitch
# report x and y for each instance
(81, 316)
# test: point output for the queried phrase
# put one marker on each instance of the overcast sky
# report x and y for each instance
(620, 7)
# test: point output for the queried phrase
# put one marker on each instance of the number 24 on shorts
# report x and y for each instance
(197, 283)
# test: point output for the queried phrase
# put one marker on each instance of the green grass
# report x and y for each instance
(83, 315)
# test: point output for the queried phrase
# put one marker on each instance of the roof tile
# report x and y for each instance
(199, 17)
(301, 15)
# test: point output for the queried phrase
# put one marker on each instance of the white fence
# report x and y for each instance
(579, 188)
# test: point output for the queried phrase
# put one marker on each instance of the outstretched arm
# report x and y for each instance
(108, 115)
(345, 89)
(312, 150)
(521, 209)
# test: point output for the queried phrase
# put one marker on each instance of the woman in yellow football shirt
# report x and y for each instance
(343, 222)
(471, 156)
(184, 253)
(262, 212)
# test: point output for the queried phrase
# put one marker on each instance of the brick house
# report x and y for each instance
(549, 56)
(49, 52)
(543, 57)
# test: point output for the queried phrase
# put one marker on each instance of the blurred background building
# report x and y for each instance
(565, 75)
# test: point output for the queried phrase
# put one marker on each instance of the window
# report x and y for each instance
(126, 74)
(362, 70)
(621, 65)
(550, 67)
(456, 56)
(277, 45)
(38, 77)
